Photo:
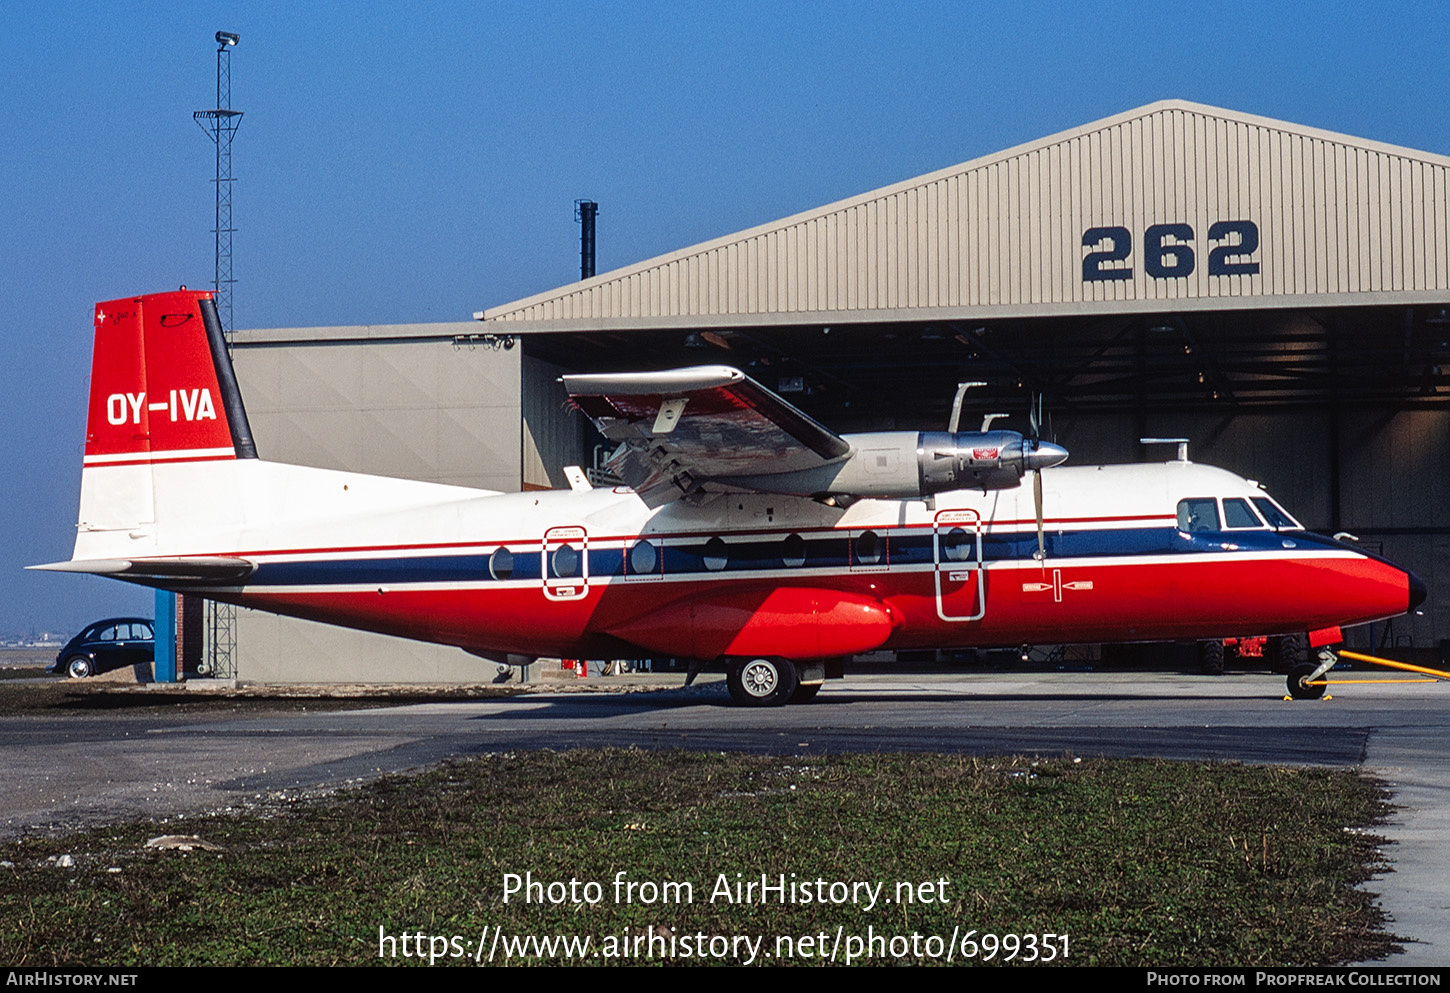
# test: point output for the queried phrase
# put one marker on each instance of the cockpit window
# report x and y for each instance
(1238, 514)
(1274, 514)
(1198, 514)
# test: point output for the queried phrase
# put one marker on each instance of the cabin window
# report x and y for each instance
(565, 561)
(1274, 514)
(643, 558)
(716, 554)
(501, 563)
(1238, 514)
(867, 548)
(1198, 514)
(955, 545)
(793, 552)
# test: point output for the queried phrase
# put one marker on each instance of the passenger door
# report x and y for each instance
(957, 566)
(565, 566)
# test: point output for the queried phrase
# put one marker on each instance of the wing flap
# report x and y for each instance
(682, 429)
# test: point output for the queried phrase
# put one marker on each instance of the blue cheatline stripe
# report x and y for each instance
(828, 551)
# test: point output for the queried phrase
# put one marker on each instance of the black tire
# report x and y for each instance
(761, 681)
(805, 692)
(1297, 689)
(1210, 657)
(79, 667)
(1286, 652)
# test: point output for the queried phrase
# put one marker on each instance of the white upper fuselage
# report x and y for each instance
(250, 506)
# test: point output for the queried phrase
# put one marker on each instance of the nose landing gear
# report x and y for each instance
(1305, 680)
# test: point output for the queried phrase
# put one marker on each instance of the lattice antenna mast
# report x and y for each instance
(220, 125)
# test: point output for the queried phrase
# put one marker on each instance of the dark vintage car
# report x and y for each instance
(108, 644)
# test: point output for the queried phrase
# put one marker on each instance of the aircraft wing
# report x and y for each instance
(683, 429)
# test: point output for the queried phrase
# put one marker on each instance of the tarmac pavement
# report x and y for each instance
(62, 772)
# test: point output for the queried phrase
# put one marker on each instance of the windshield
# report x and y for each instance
(1275, 514)
(1203, 514)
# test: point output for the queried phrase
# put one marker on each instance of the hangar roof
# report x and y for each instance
(1175, 206)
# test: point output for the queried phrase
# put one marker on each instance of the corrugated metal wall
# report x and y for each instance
(1331, 215)
(555, 434)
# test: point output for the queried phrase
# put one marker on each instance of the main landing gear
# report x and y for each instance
(767, 681)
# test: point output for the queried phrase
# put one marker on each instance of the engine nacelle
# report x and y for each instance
(988, 460)
(902, 465)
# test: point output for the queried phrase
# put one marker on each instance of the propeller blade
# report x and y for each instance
(1037, 504)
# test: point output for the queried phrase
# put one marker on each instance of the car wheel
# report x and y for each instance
(79, 667)
(761, 682)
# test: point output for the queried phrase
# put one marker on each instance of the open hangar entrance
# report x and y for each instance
(1277, 294)
(1343, 414)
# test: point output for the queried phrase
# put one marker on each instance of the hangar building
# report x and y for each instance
(1277, 294)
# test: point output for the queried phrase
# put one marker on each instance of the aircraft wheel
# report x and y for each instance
(761, 682)
(805, 692)
(1210, 657)
(79, 667)
(1297, 689)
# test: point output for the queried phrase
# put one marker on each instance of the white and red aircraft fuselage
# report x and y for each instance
(751, 537)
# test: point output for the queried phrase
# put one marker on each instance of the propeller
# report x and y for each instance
(1033, 442)
(1036, 454)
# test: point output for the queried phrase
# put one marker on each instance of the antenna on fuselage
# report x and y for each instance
(1182, 444)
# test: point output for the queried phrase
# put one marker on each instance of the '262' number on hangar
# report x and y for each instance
(1168, 251)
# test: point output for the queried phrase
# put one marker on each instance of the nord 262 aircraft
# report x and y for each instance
(750, 537)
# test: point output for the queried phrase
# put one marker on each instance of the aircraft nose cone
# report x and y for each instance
(1417, 590)
(1045, 455)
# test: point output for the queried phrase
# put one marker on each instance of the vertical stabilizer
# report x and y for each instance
(163, 396)
(158, 393)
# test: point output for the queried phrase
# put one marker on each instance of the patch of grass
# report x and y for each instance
(1141, 863)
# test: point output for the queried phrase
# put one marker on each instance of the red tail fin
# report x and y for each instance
(162, 388)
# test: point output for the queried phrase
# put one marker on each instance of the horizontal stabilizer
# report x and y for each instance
(175, 567)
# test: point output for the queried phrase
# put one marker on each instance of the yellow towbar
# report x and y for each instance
(1437, 673)
(1307, 682)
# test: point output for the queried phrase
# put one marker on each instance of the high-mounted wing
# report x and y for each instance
(683, 428)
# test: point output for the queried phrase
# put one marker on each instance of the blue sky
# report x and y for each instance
(418, 162)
